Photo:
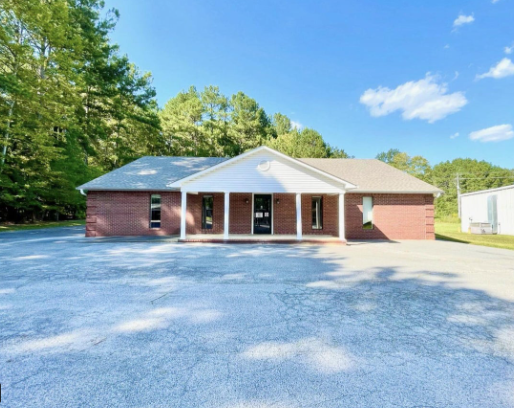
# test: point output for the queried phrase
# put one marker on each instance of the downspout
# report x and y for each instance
(83, 193)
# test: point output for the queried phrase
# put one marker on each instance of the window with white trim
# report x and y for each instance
(317, 213)
(367, 213)
(155, 211)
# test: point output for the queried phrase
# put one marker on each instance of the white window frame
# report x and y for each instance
(155, 207)
(367, 213)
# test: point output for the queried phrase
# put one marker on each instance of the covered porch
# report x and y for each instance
(263, 196)
(262, 217)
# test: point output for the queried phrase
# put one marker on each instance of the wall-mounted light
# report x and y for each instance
(247, 201)
(277, 201)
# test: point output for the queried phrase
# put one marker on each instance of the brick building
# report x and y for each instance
(260, 192)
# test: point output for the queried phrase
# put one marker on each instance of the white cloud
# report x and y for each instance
(494, 1)
(462, 19)
(455, 135)
(508, 50)
(493, 134)
(446, 46)
(296, 125)
(503, 69)
(425, 99)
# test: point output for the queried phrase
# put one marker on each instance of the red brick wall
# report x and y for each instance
(240, 215)
(284, 214)
(395, 216)
(112, 213)
(194, 213)
(330, 209)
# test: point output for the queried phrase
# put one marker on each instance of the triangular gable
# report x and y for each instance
(263, 170)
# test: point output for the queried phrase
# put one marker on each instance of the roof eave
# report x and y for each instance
(126, 189)
(491, 190)
(398, 192)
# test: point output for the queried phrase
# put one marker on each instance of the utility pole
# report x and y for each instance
(458, 194)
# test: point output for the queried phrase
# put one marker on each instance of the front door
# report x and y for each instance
(262, 214)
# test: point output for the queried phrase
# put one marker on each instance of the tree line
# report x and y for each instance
(471, 174)
(208, 123)
(72, 108)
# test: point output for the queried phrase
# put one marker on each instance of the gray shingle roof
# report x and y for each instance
(372, 175)
(155, 173)
(151, 173)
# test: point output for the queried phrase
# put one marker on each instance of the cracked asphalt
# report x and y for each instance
(146, 323)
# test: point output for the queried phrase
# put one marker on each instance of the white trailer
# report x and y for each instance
(494, 207)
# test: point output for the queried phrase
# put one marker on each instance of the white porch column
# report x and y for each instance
(342, 234)
(227, 210)
(298, 216)
(183, 215)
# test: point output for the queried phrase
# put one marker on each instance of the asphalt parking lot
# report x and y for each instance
(148, 323)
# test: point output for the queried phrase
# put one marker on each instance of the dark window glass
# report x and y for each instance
(207, 212)
(317, 213)
(367, 212)
(155, 211)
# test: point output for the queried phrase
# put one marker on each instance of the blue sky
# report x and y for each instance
(368, 75)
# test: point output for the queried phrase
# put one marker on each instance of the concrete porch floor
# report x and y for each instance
(267, 238)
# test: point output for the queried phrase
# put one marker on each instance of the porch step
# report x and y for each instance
(334, 241)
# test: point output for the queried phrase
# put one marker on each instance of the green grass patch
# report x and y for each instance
(41, 224)
(450, 231)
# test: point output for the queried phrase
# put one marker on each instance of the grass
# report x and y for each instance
(450, 231)
(40, 224)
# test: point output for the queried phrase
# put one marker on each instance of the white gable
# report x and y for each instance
(263, 171)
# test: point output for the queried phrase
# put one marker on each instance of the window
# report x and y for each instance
(155, 211)
(367, 213)
(317, 213)
(207, 212)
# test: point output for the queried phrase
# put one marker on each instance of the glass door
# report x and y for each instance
(262, 214)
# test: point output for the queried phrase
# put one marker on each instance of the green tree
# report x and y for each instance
(181, 121)
(224, 126)
(417, 166)
(216, 120)
(37, 56)
(336, 153)
(282, 124)
(300, 142)
(70, 107)
(388, 156)
(474, 175)
(250, 125)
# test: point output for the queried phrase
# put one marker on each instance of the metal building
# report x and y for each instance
(494, 207)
